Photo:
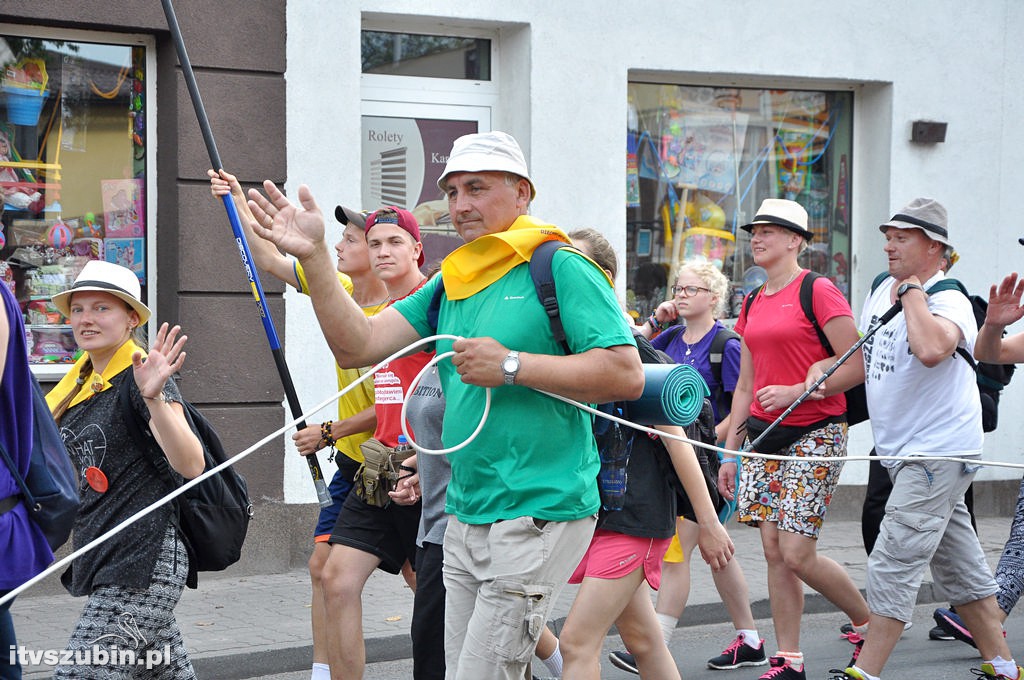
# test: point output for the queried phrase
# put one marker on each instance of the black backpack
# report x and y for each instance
(717, 351)
(703, 430)
(991, 378)
(213, 516)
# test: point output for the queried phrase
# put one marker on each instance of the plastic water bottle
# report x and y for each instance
(614, 445)
(403, 444)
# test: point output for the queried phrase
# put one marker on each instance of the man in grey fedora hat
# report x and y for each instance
(923, 402)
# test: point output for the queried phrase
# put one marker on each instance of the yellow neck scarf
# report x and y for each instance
(479, 263)
(74, 381)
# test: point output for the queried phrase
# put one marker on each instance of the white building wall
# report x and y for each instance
(564, 68)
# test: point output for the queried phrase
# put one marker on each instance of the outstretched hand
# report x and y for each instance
(165, 358)
(1004, 306)
(296, 229)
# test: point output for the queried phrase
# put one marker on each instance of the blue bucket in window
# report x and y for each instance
(24, 104)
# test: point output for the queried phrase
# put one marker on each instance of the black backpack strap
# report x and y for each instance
(807, 304)
(750, 299)
(878, 280)
(544, 282)
(434, 308)
(715, 356)
(138, 430)
(717, 351)
(954, 284)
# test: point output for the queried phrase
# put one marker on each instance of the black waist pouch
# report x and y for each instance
(783, 436)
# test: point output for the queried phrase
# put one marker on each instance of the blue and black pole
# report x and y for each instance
(322, 494)
(881, 321)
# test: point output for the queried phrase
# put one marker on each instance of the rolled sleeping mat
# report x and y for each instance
(673, 395)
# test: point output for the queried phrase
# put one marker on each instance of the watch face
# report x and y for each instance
(509, 365)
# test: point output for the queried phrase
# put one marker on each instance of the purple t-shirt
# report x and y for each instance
(24, 551)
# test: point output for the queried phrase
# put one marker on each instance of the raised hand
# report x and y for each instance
(1004, 306)
(165, 358)
(296, 229)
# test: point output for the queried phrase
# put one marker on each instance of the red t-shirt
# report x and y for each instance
(390, 385)
(783, 345)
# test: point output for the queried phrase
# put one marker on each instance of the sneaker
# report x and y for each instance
(738, 654)
(781, 669)
(987, 671)
(624, 661)
(950, 622)
(939, 633)
(850, 673)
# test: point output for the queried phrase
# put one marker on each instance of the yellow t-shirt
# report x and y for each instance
(360, 398)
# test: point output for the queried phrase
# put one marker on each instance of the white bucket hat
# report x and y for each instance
(925, 214)
(105, 277)
(487, 152)
(784, 213)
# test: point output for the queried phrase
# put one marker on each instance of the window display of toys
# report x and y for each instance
(91, 248)
(7, 276)
(46, 281)
(59, 235)
(90, 227)
(42, 312)
(714, 245)
(51, 345)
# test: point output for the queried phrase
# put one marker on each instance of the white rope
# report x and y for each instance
(405, 405)
(402, 352)
(99, 540)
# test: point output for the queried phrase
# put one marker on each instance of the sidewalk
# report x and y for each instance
(267, 616)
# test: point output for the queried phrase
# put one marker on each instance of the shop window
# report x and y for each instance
(72, 173)
(699, 162)
(427, 56)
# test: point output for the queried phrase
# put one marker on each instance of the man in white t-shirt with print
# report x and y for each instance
(923, 402)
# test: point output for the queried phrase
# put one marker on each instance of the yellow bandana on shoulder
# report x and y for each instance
(477, 264)
(121, 360)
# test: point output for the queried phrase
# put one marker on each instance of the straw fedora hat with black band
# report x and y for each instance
(105, 277)
(925, 214)
(783, 213)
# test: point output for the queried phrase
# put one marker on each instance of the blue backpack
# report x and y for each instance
(50, 490)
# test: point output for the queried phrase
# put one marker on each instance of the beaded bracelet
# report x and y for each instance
(327, 439)
(655, 324)
(325, 433)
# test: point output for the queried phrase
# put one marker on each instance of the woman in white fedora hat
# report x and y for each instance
(135, 578)
(787, 500)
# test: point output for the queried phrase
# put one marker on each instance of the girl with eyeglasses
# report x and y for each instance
(690, 320)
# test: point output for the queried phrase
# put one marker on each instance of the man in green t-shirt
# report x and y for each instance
(523, 494)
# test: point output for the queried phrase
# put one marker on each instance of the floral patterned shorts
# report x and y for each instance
(793, 493)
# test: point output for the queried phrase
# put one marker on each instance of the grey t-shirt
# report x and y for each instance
(425, 413)
(95, 435)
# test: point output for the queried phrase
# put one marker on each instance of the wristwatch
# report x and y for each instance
(510, 366)
(904, 287)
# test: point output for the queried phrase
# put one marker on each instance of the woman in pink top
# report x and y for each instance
(787, 499)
